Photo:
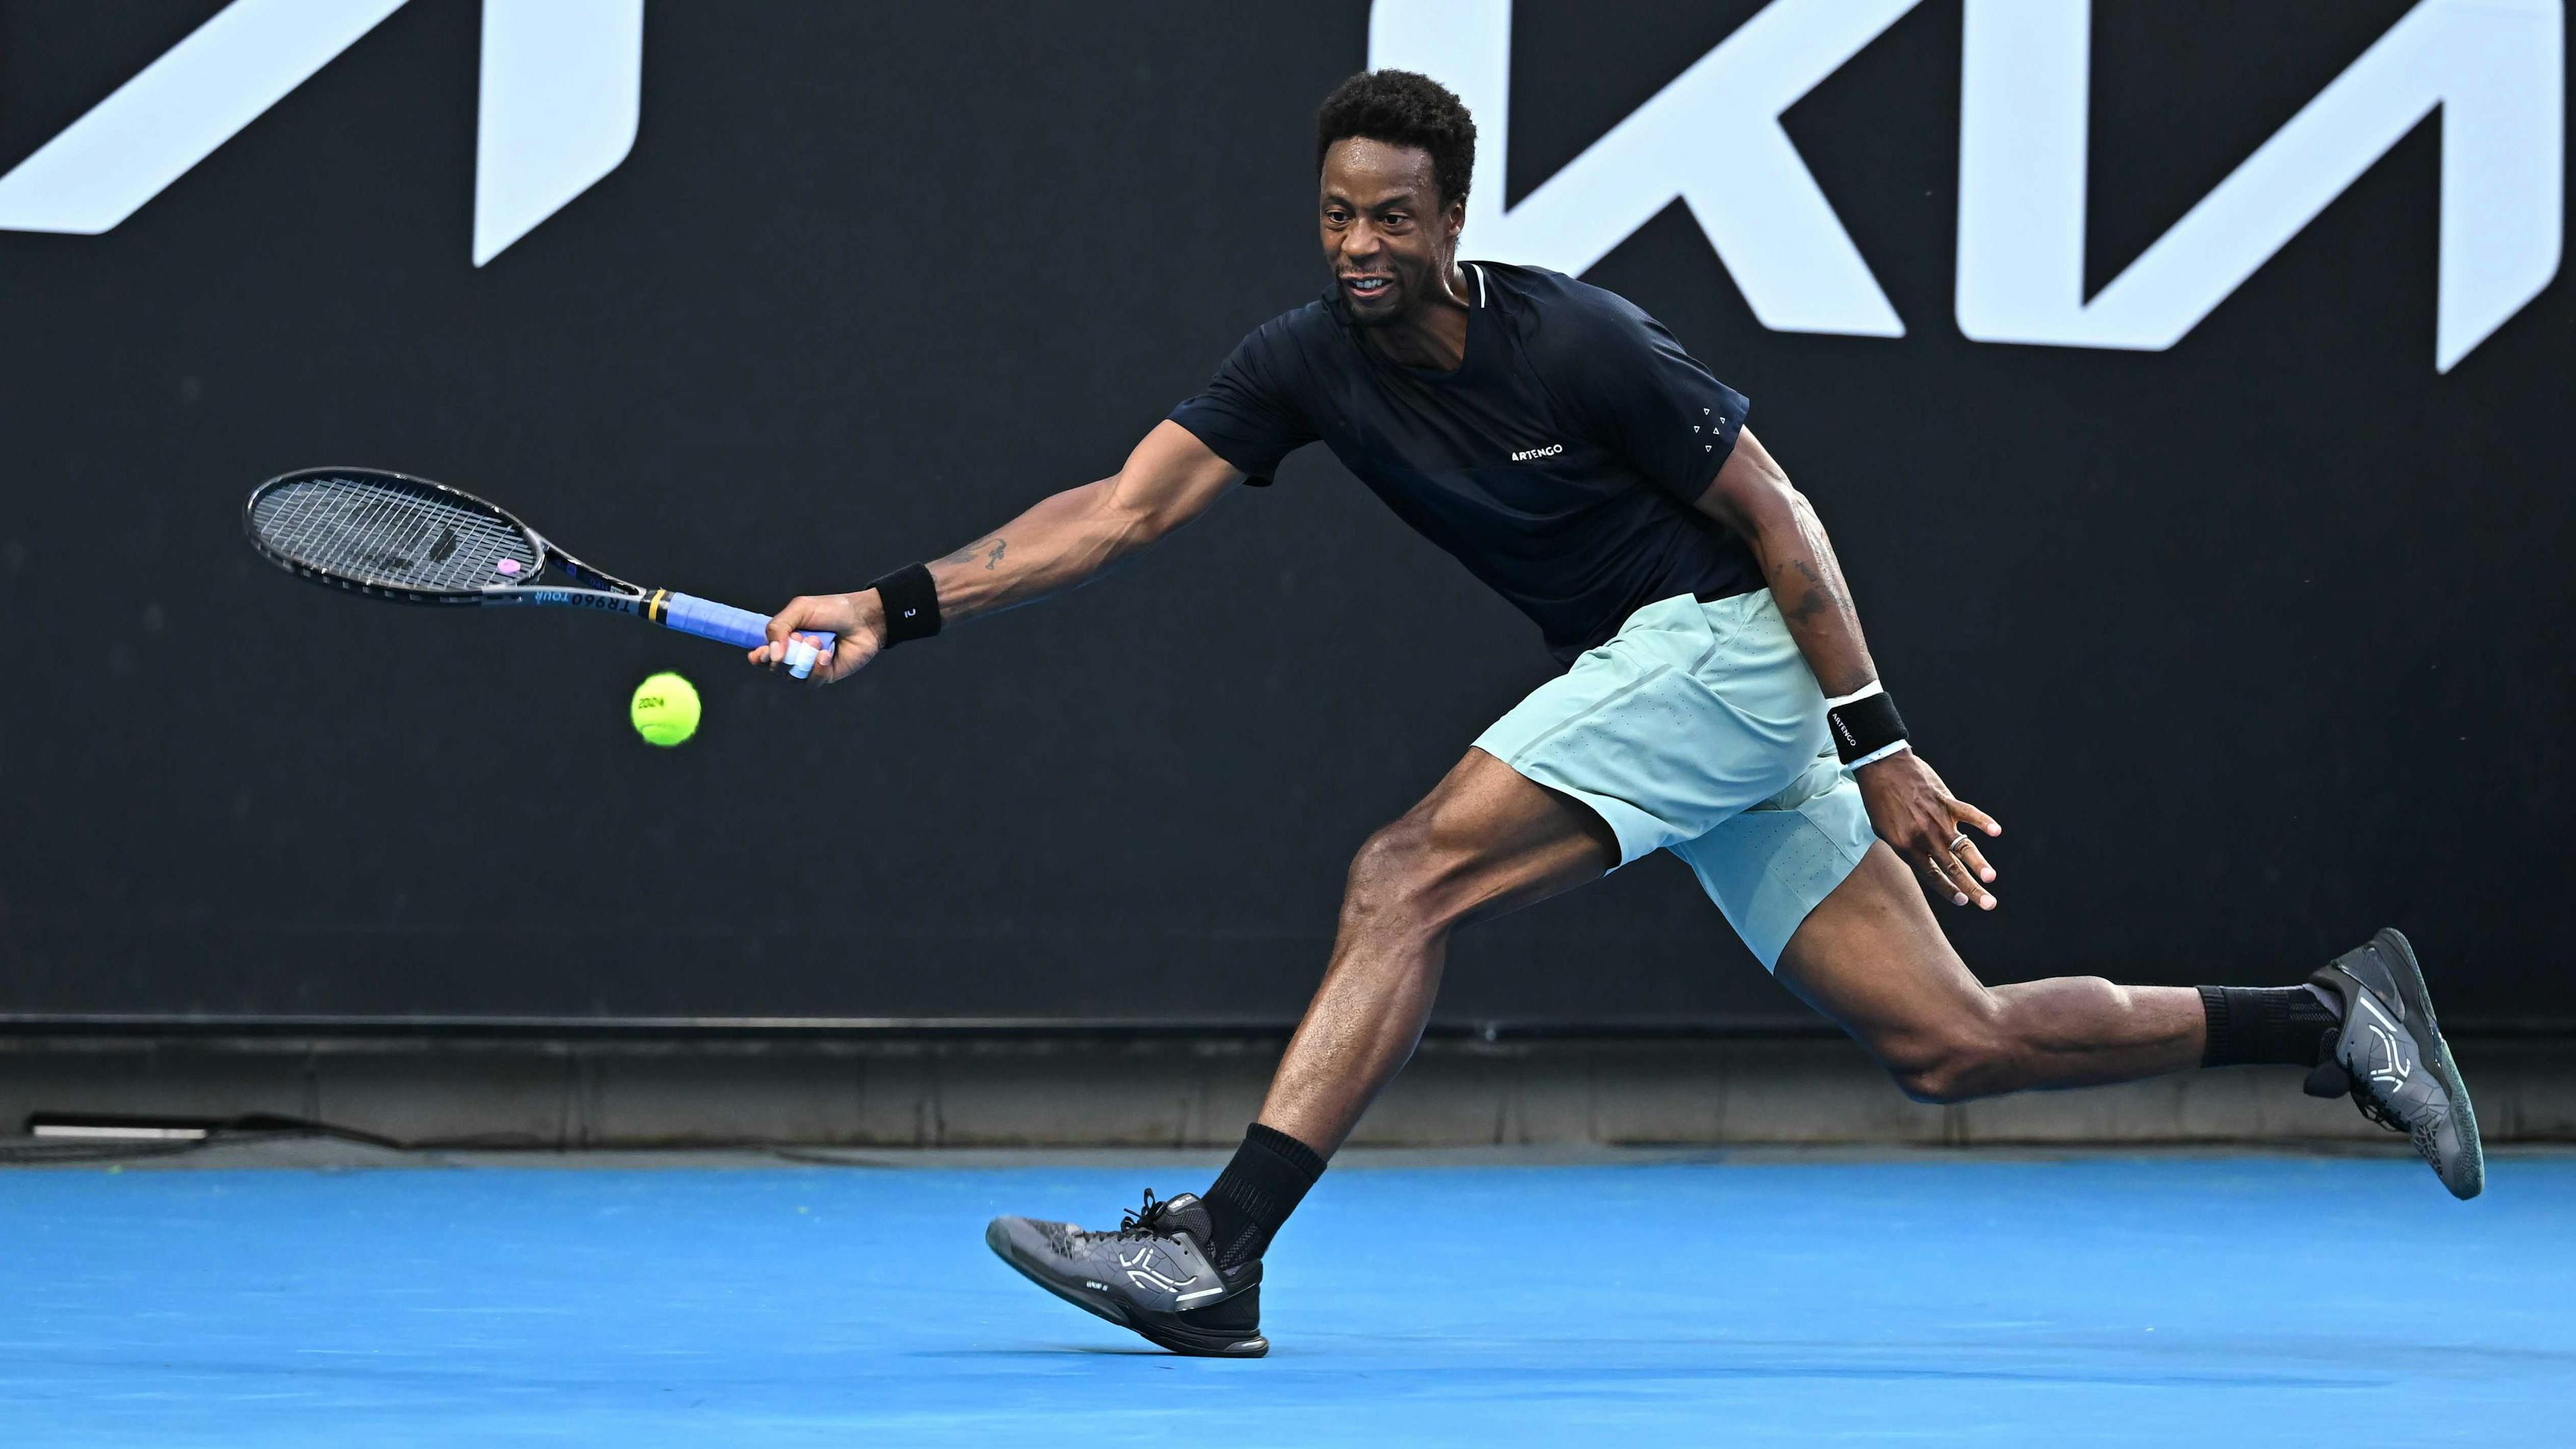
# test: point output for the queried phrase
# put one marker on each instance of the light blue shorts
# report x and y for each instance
(1699, 729)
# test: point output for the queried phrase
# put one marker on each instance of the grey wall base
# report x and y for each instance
(1173, 1093)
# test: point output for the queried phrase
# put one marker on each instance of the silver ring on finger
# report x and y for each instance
(1960, 843)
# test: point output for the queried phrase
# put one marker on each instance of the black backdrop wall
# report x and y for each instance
(2253, 644)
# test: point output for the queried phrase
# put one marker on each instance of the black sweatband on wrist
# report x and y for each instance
(911, 604)
(1864, 727)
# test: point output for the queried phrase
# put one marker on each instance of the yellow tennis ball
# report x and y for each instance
(665, 709)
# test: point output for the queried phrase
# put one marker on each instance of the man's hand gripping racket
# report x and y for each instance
(852, 627)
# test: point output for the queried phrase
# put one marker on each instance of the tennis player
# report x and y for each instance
(1718, 701)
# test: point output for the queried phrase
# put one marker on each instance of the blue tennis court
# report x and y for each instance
(1950, 1299)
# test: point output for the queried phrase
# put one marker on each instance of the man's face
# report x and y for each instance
(1387, 233)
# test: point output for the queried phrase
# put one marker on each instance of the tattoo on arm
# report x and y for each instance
(996, 555)
(975, 550)
(1811, 530)
(1816, 598)
(1807, 581)
(1826, 589)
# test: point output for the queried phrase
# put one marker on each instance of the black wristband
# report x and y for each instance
(911, 604)
(1865, 726)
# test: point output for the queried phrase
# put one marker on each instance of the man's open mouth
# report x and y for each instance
(1366, 286)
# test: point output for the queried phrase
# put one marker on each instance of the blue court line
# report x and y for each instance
(1943, 1300)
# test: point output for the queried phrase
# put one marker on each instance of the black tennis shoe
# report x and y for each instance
(1152, 1274)
(2390, 1056)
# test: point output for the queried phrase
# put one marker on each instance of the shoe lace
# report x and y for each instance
(2372, 1108)
(2331, 1078)
(1134, 1223)
(1143, 1222)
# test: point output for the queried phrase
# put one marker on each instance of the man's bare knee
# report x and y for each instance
(1962, 1057)
(1394, 880)
(1961, 1071)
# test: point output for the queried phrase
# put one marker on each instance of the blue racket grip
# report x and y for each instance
(708, 619)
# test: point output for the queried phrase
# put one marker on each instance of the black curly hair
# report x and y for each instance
(1402, 108)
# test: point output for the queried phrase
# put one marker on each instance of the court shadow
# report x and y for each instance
(1057, 1350)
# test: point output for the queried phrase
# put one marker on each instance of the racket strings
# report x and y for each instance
(380, 532)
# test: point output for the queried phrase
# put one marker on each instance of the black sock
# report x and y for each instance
(1255, 1194)
(2253, 1025)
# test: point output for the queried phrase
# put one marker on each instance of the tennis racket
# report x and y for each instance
(392, 536)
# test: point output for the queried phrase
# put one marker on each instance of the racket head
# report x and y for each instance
(390, 535)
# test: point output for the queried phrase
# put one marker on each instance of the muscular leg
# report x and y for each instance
(1483, 842)
(1872, 958)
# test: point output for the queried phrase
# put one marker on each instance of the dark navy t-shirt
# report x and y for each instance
(1559, 462)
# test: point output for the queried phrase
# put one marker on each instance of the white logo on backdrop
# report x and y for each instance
(1712, 138)
(562, 81)
(561, 90)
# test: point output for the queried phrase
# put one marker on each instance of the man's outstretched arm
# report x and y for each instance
(1064, 541)
(1908, 805)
